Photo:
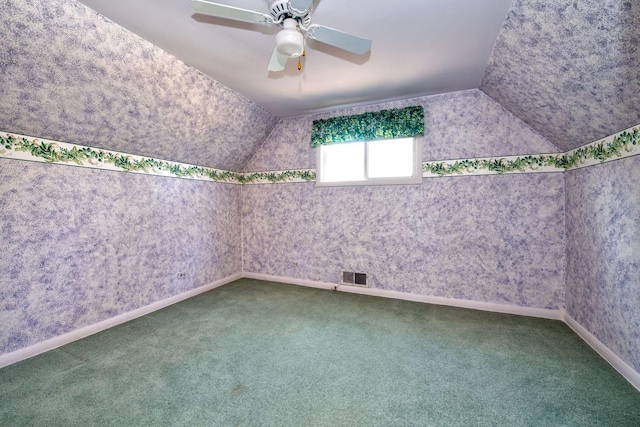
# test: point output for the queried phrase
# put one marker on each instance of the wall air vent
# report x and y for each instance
(348, 278)
(361, 279)
(354, 279)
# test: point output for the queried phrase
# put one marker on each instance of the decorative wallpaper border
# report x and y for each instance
(22, 147)
(492, 166)
(297, 175)
(617, 146)
(614, 147)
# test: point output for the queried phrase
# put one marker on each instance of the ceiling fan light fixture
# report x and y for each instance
(289, 40)
(294, 17)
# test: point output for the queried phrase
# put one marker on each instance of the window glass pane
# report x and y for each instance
(391, 158)
(343, 162)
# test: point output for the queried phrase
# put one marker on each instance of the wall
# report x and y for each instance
(485, 238)
(603, 254)
(458, 125)
(78, 245)
(83, 245)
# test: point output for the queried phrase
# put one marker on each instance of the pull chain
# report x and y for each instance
(299, 64)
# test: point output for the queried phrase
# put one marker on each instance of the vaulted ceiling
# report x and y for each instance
(418, 48)
(569, 69)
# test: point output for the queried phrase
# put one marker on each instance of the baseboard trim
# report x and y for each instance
(453, 302)
(290, 281)
(53, 343)
(613, 359)
(461, 303)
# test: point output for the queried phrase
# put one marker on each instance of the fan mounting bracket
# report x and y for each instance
(281, 9)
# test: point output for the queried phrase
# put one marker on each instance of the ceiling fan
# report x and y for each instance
(294, 17)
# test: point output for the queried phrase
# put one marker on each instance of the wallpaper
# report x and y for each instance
(71, 75)
(494, 238)
(614, 147)
(79, 245)
(19, 147)
(603, 254)
(457, 125)
(569, 69)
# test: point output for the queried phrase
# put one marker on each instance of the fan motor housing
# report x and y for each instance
(280, 8)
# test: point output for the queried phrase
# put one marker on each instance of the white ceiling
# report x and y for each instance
(418, 48)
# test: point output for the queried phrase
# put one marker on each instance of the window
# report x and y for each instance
(375, 148)
(377, 162)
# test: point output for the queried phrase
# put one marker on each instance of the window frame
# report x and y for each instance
(414, 179)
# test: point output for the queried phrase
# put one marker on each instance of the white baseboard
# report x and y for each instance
(614, 360)
(50, 344)
(290, 281)
(475, 305)
(454, 302)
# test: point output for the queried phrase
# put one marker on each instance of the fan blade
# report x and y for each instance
(341, 40)
(230, 12)
(299, 7)
(277, 61)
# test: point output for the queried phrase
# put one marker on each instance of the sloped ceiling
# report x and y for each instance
(570, 69)
(418, 48)
(68, 74)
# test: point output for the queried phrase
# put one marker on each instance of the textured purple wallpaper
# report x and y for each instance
(603, 254)
(570, 69)
(69, 74)
(494, 238)
(457, 125)
(79, 245)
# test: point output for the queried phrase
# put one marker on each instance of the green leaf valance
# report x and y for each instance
(385, 124)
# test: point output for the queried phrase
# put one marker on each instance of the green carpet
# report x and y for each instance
(255, 353)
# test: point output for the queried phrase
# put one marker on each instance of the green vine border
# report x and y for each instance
(53, 152)
(499, 166)
(306, 175)
(620, 145)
